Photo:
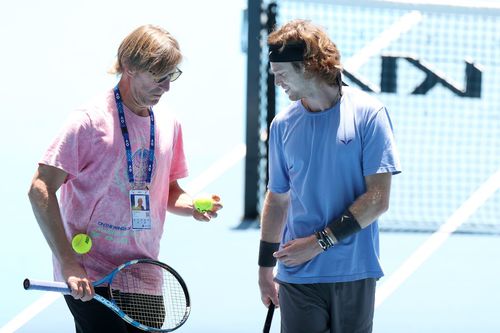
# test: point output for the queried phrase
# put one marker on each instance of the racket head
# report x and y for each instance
(152, 294)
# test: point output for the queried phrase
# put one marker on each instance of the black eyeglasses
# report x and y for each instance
(170, 76)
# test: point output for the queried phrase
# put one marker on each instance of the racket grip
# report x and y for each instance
(269, 318)
(61, 287)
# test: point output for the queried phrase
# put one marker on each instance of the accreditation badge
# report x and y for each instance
(140, 209)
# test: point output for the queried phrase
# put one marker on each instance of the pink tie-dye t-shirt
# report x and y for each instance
(95, 197)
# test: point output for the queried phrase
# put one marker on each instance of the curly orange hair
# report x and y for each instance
(321, 56)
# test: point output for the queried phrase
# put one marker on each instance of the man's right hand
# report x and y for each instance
(46, 182)
(268, 288)
(78, 282)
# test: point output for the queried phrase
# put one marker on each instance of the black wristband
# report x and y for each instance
(266, 251)
(344, 226)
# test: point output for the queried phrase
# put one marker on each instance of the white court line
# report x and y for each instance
(31, 311)
(198, 184)
(217, 169)
(417, 258)
(455, 3)
(401, 26)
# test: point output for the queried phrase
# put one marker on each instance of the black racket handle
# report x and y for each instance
(269, 318)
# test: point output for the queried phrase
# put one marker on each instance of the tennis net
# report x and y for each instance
(437, 69)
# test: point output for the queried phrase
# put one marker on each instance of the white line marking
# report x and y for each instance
(217, 169)
(417, 258)
(31, 311)
(454, 3)
(198, 184)
(401, 26)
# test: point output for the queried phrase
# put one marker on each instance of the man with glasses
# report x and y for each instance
(113, 151)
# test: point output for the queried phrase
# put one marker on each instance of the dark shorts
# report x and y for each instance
(343, 307)
(94, 317)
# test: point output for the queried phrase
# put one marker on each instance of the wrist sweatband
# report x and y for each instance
(266, 251)
(344, 226)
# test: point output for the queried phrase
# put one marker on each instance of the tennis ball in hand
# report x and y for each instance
(81, 243)
(203, 204)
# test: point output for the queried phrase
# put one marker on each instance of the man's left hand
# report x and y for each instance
(211, 214)
(298, 251)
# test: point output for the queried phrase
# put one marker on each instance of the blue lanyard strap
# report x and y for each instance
(126, 139)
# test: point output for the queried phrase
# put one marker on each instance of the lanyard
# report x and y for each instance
(126, 139)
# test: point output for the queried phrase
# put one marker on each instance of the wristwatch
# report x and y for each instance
(321, 241)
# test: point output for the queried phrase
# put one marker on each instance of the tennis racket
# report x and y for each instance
(269, 318)
(146, 293)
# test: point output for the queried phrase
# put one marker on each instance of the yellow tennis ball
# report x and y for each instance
(81, 243)
(203, 204)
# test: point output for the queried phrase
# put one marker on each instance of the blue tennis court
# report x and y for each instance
(55, 57)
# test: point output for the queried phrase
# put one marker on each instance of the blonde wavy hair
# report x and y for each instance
(321, 56)
(148, 48)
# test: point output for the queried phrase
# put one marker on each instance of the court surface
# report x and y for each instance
(55, 57)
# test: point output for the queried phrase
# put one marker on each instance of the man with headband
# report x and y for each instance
(331, 158)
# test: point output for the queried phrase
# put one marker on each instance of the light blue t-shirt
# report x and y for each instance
(322, 159)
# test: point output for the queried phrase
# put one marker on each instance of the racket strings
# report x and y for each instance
(175, 303)
(150, 295)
